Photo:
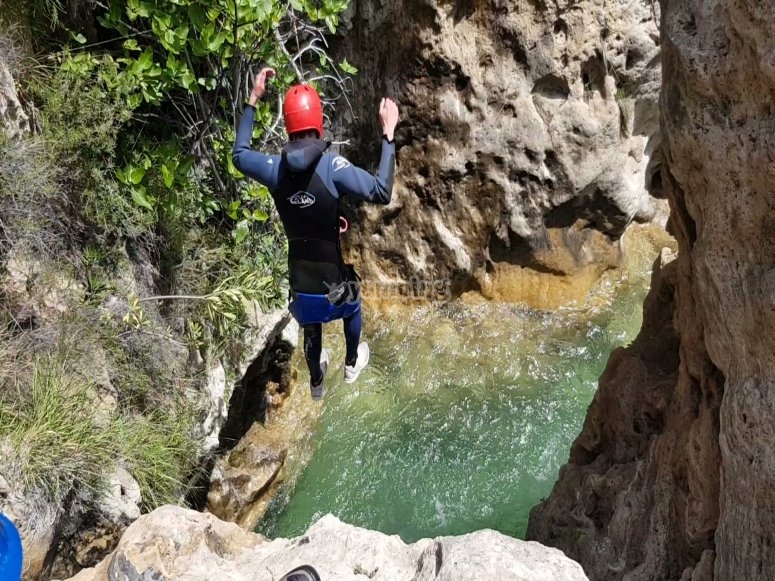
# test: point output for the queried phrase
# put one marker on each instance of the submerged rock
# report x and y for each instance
(178, 544)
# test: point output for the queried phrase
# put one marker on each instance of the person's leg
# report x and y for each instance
(357, 357)
(313, 345)
(352, 335)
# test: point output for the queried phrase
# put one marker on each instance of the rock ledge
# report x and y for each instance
(173, 543)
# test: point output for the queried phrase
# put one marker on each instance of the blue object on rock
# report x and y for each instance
(10, 551)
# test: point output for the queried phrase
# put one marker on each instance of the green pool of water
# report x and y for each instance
(462, 420)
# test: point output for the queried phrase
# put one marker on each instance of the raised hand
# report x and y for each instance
(259, 85)
(388, 117)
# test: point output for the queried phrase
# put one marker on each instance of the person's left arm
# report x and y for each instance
(254, 164)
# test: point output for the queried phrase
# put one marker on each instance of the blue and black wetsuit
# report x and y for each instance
(307, 184)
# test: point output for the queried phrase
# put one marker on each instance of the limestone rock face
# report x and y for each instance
(254, 360)
(14, 121)
(215, 388)
(673, 474)
(241, 479)
(528, 138)
(176, 544)
(122, 498)
(261, 426)
(35, 520)
(33, 292)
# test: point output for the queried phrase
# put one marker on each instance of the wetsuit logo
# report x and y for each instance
(340, 163)
(302, 199)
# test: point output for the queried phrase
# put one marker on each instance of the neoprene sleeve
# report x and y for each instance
(347, 178)
(360, 184)
(254, 164)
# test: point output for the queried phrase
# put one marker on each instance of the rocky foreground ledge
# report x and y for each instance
(173, 543)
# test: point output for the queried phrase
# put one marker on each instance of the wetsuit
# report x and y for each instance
(307, 184)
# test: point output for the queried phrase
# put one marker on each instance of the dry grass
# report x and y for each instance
(65, 441)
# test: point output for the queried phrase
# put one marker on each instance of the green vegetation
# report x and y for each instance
(128, 240)
(173, 76)
(66, 441)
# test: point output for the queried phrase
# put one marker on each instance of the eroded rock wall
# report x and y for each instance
(528, 135)
(14, 120)
(673, 474)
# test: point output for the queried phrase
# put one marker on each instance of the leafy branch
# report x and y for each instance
(190, 64)
(226, 307)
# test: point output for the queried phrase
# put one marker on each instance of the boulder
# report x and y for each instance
(121, 500)
(177, 544)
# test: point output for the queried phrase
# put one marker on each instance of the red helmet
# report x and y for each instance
(302, 110)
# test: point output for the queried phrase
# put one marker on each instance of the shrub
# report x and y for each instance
(67, 444)
(50, 420)
(33, 207)
(158, 449)
(82, 122)
(134, 153)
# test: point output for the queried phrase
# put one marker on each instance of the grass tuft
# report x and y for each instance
(50, 421)
(66, 442)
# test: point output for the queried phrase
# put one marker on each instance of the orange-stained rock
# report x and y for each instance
(526, 128)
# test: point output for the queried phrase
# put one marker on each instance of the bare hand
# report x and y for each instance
(259, 85)
(388, 117)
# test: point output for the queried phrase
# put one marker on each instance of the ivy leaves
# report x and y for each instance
(132, 178)
(164, 171)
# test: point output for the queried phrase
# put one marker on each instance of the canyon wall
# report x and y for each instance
(673, 473)
(14, 120)
(528, 141)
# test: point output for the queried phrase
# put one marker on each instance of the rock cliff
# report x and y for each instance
(672, 476)
(528, 144)
(177, 544)
(13, 118)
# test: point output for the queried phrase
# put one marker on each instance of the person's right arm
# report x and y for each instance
(360, 184)
(254, 164)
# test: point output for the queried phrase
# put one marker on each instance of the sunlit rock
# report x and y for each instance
(177, 544)
(529, 140)
(672, 476)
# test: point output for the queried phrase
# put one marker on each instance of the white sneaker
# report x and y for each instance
(352, 373)
(317, 390)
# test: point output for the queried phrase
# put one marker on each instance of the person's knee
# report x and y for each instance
(313, 331)
(354, 313)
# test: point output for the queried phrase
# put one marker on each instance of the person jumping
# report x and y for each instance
(307, 184)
